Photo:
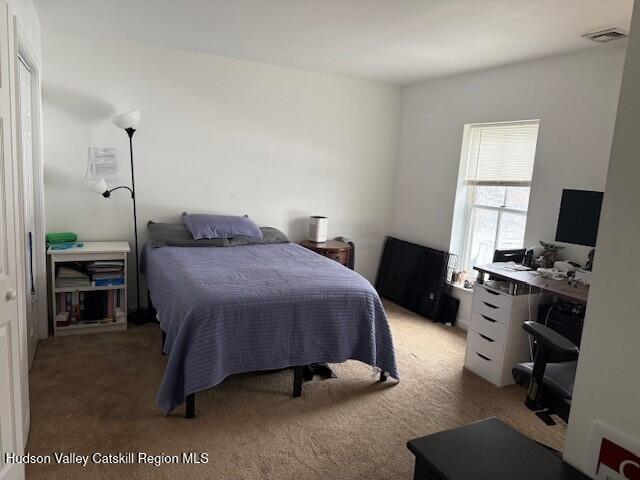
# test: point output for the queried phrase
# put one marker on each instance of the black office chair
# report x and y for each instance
(516, 256)
(550, 385)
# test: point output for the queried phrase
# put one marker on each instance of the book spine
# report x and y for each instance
(108, 282)
(110, 296)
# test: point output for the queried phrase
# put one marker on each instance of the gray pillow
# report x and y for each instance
(202, 226)
(177, 235)
(269, 235)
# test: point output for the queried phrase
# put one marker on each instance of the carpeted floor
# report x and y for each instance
(96, 393)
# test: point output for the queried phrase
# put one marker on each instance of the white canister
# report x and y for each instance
(318, 228)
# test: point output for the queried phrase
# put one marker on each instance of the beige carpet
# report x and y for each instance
(96, 393)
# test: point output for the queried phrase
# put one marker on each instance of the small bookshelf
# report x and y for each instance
(89, 288)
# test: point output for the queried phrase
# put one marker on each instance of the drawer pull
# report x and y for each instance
(491, 291)
(483, 357)
(487, 338)
(489, 305)
(488, 319)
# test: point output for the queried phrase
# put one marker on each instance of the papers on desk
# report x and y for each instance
(512, 266)
(552, 273)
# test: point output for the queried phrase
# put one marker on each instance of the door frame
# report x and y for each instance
(22, 48)
(18, 42)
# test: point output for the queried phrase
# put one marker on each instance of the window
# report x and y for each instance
(496, 167)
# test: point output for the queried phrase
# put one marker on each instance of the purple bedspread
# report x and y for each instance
(230, 310)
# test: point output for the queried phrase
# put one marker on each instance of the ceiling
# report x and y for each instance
(395, 41)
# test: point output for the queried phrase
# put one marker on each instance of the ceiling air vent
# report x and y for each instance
(606, 35)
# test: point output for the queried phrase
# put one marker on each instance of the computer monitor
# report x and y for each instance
(579, 217)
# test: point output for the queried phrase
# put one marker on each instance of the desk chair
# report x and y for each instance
(550, 385)
(516, 256)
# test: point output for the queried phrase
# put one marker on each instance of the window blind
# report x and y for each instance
(502, 154)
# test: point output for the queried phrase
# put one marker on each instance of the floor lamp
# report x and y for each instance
(128, 122)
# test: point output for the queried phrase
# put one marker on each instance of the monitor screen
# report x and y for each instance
(579, 217)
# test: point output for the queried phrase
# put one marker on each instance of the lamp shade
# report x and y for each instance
(127, 120)
(99, 187)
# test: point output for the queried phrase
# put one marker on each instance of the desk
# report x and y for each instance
(489, 449)
(496, 341)
(530, 279)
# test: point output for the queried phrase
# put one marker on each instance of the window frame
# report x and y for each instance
(465, 205)
(468, 228)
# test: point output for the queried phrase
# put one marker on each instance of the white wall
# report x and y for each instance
(217, 135)
(607, 384)
(574, 96)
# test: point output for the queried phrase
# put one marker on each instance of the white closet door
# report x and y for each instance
(11, 434)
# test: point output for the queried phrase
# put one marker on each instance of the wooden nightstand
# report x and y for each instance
(338, 251)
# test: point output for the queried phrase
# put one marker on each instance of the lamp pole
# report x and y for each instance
(130, 132)
(128, 122)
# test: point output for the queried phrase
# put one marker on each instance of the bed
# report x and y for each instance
(226, 310)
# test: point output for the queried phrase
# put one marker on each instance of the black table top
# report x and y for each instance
(490, 449)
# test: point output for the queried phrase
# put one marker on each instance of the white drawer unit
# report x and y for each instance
(487, 326)
(489, 310)
(492, 296)
(483, 366)
(485, 345)
(495, 340)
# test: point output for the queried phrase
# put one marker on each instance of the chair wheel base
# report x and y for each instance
(545, 416)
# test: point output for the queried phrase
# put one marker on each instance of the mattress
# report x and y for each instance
(229, 310)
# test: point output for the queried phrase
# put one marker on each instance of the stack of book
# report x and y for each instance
(89, 307)
(106, 273)
(72, 275)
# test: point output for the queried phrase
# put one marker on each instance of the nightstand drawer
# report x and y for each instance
(492, 296)
(334, 250)
(487, 326)
(484, 345)
(494, 312)
(341, 257)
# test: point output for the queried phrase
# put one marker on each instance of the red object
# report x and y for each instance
(619, 459)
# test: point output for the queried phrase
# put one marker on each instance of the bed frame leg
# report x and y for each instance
(150, 308)
(164, 339)
(191, 406)
(297, 381)
(383, 376)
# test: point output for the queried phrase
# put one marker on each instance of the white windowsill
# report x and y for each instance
(461, 288)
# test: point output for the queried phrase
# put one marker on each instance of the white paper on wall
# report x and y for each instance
(102, 163)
